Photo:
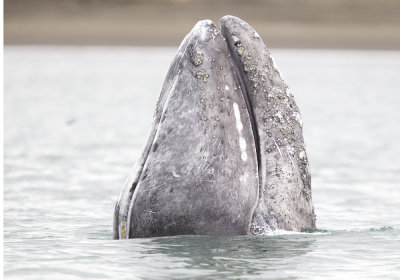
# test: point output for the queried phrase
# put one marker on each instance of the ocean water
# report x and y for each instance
(76, 119)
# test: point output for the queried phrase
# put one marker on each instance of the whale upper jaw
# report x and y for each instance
(225, 155)
(285, 200)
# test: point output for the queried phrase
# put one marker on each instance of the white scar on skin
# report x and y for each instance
(239, 126)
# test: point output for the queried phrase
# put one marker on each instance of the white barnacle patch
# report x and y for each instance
(290, 150)
(256, 36)
(240, 48)
(276, 91)
(214, 32)
(279, 117)
(197, 58)
(239, 126)
(226, 87)
(297, 117)
(201, 74)
(288, 93)
(175, 174)
(272, 61)
(235, 39)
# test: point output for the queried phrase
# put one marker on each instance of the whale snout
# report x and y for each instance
(225, 155)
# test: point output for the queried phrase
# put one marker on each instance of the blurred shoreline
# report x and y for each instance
(340, 24)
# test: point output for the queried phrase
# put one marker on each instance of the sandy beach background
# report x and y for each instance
(355, 24)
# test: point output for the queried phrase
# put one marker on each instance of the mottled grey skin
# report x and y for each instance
(225, 155)
(285, 181)
(200, 174)
(122, 206)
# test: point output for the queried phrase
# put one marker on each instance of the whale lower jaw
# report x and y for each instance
(225, 155)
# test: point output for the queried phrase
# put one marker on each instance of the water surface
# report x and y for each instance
(77, 118)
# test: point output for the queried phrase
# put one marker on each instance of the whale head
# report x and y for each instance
(225, 155)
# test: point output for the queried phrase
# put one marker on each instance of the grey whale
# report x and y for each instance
(226, 154)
